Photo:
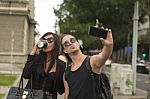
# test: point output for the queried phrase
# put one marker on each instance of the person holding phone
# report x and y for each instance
(45, 68)
(77, 78)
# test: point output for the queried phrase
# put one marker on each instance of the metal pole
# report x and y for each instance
(148, 93)
(12, 48)
(134, 50)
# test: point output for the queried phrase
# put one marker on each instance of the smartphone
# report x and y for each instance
(97, 32)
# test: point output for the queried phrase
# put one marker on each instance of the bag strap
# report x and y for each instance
(67, 67)
(31, 94)
(21, 86)
(95, 79)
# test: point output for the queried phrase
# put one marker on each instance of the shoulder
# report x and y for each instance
(63, 58)
(61, 63)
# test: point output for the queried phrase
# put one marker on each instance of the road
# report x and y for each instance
(142, 80)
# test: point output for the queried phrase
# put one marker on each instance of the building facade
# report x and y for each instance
(17, 30)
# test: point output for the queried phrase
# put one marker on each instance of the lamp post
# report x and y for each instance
(134, 50)
(148, 94)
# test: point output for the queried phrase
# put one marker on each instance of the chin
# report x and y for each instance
(74, 51)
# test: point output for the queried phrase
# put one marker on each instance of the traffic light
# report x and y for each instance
(144, 55)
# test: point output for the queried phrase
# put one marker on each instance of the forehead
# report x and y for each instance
(48, 36)
(67, 37)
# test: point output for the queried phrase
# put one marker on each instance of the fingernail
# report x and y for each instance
(109, 30)
(102, 27)
(106, 29)
(101, 39)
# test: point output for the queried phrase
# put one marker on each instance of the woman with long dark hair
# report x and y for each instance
(45, 68)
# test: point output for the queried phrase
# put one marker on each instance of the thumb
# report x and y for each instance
(102, 39)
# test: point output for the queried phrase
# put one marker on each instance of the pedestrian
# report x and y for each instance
(45, 68)
(77, 81)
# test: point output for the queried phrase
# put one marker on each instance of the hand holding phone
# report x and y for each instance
(97, 32)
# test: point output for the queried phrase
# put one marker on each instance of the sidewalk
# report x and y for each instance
(5, 68)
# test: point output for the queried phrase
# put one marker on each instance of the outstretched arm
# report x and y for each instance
(97, 61)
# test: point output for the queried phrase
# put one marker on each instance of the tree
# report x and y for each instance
(145, 5)
(79, 14)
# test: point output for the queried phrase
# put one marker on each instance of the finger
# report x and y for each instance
(109, 30)
(101, 39)
(102, 27)
(106, 29)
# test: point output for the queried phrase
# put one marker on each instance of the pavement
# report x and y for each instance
(9, 69)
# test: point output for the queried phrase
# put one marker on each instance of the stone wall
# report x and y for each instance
(17, 29)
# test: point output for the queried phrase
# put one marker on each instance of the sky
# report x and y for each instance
(44, 15)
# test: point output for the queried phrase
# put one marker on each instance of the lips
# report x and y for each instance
(72, 47)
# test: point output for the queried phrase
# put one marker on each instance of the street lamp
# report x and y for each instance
(134, 50)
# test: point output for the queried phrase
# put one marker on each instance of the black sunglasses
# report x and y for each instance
(67, 43)
(49, 40)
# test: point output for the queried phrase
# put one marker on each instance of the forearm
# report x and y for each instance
(28, 67)
(107, 51)
(99, 60)
(65, 96)
(34, 50)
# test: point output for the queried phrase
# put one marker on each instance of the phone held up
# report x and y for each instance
(97, 32)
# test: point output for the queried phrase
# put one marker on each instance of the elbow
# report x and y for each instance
(26, 76)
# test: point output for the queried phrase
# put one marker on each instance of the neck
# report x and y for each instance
(48, 56)
(77, 56)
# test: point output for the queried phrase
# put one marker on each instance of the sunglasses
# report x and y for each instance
(49, 40)
(68, 43)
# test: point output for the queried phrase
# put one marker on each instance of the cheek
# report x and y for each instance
(77, 44)
(51, 45)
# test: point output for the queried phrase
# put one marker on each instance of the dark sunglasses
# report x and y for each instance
(49, 40)
(67, 43)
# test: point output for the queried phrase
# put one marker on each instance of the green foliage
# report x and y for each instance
(1, 96)
(77, 15)
(144, 39)
(6, 80)
(144, 4)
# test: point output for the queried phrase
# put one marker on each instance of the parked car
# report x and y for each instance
(143, 67)
(108, 62)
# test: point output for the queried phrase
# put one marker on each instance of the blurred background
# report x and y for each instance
(24, 21)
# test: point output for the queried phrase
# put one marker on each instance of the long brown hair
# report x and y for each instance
(55, 52)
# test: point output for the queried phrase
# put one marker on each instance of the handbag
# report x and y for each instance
(23, 93)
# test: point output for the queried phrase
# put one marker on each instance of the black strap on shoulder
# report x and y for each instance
(88, 64)
(67, 69)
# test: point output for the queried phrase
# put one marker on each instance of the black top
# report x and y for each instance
(34, 66)
(80, 83)
(49, 82)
